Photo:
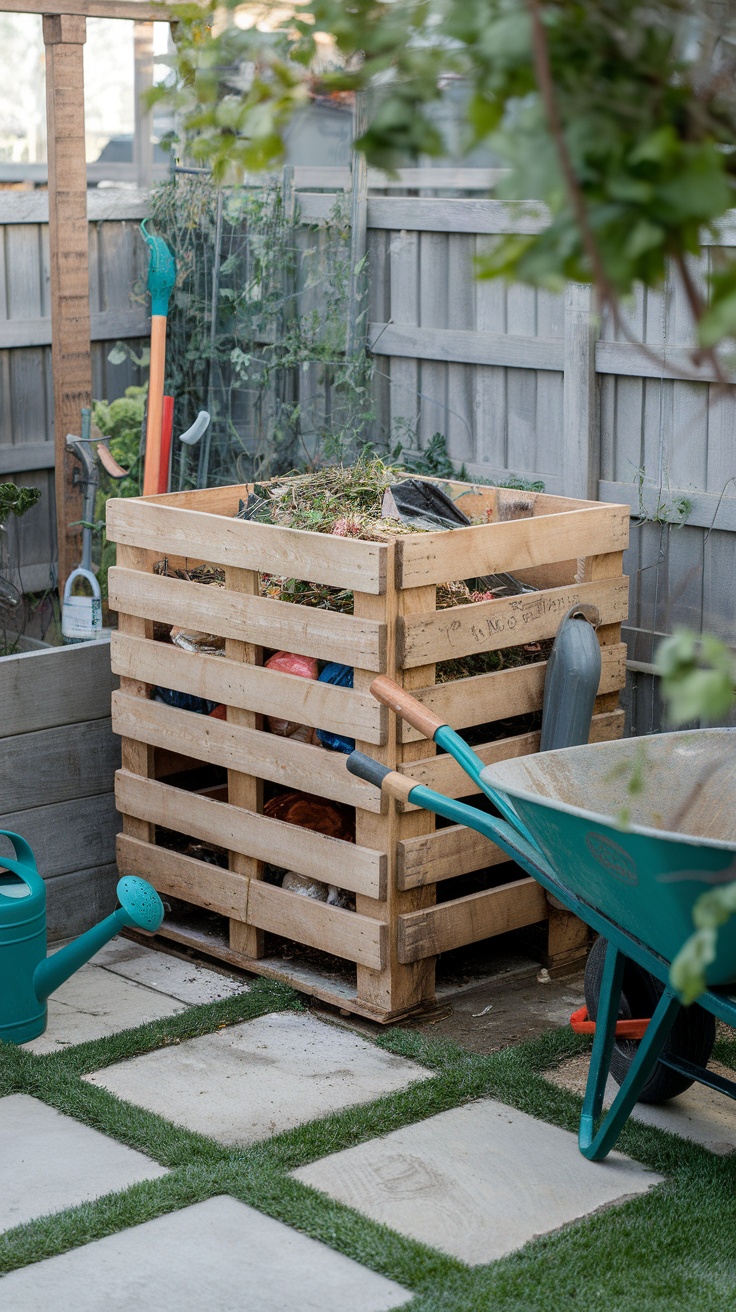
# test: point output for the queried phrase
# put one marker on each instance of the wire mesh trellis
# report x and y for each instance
(257, 332)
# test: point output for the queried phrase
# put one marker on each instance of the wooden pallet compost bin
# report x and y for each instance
(572, 550)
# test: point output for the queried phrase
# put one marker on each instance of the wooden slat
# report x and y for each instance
(175, 875)
(280, 760)
(508, 622)
(426, 214)
(105, 326)
(518, 544)
(706, 509)
(62, 685)
(269, 692)
(330, 929)
(68, 836)
(107, 204)
(58, 765)
(469, 919)
(356, 868)
(138, 10)
(26, 456)
(580, 453)
(463, 346)
(445, 775)
(670, 361)
(281, 624)
(487, 697)
(316, 557)
(445, 854)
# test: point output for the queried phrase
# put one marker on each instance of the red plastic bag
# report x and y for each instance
(306, 667)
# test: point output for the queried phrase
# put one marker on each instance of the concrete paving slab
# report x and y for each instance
(476, 1182)
(187, 981)
(49, 1161)
(220, 1255)
(93, 1003)
(256, 1079)
(700, 1114)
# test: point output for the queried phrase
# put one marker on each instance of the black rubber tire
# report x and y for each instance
(691, 1037)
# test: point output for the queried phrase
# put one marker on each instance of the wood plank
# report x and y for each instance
(244, 790)
(469, 919)
(251, 687)
(64, 37)
(445, 775)
(106, 204)
(127, 9)
(68, 836)
(58, 765)
(27, 456)
(318, 557)
(707, 509)
(60, 685)
(507, 622)
(465, 346)
(517, 544)
(427, 214)
(330, 929)
(175, 875)
(625, 358)
(396, 988)
(293, 765)
(78, 900)
(449, 852)
(280, 624)
(358, 869)
(105, 326)
(487, 697)
(580, 455)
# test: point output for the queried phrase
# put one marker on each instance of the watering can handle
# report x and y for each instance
(25, 860)
(402, 703)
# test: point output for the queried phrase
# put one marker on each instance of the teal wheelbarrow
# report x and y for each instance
(631, 867)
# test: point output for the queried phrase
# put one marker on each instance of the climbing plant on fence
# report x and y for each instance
(257, 332)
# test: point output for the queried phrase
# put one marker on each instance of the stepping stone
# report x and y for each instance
(185, 980)
(256, 1079)
(699, 1114)
(220, 1255)
(50, 1161)
(476, 1182)
(93, 1003)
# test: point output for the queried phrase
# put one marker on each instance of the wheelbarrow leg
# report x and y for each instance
(597, 1146)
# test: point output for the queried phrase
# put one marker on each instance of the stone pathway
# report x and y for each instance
(220, 1255)
(256, 1079)
(49, 1162)
(475, 1182)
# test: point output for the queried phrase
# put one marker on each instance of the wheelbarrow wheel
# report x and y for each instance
(692, 1036)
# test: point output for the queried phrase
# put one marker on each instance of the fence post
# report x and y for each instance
(581, 437)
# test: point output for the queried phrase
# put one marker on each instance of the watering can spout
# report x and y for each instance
(141, 908)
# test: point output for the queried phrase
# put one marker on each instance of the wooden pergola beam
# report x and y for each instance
(138, 10)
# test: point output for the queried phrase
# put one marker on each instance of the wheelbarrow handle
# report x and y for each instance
(403, 704)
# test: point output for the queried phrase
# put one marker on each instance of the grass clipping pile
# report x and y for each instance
(348, 501)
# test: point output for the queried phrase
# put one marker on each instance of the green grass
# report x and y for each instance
(673, 1248)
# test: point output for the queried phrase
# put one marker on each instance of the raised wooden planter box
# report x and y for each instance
(58, 757)
(572, 550)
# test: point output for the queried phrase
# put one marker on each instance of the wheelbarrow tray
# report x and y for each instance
(640, 856)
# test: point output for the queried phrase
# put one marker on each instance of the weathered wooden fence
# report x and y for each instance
(521, 382)
(26, 392)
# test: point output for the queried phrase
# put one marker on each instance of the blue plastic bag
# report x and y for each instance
(342, 675)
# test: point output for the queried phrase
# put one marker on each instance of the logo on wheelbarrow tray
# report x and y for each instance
(613, 858)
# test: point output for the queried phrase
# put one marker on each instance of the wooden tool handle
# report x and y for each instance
(155, 405)
(403, 704)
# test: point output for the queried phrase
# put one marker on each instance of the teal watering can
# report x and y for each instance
(27, 975)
